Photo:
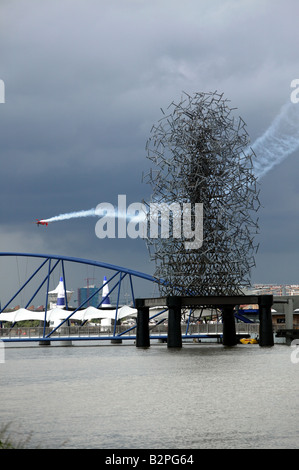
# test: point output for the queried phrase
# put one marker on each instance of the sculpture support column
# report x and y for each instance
(142, 334)
(174, 336)
(266, 328)
(229, 326)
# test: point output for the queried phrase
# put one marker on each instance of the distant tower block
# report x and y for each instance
(105, 294)
(198, 149)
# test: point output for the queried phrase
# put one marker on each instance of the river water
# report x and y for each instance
(121, 397)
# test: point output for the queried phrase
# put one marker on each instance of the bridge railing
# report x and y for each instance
(98, 331)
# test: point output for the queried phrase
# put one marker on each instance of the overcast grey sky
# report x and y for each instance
(85, 81)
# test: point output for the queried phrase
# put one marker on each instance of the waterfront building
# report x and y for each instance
(85, 292)
(275, 289)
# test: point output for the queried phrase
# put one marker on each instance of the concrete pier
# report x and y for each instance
(265, 303)
(229, 326)
(174, 336)
(65, 343)
(142, 333)
(289, 314)
(45, 342)
(226, 303)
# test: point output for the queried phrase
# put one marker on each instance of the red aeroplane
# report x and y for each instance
(41, 222)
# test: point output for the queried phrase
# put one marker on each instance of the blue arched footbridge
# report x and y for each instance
(83, 312)
(64, 323)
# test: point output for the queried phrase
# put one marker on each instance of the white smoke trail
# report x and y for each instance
(72, 215)
(95, 213)
(279, 141)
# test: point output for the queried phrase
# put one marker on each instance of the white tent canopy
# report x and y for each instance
(86, 314)
(21, 314)
(60, 314)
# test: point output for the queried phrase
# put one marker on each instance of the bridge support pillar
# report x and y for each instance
(174, 336)
(289, 315)
(289, 319)
(229, 326)
(266, 329)
(142, 333)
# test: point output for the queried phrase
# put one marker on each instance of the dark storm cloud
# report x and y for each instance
(85, 81)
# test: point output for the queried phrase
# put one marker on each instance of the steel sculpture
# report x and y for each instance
(201, 155)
